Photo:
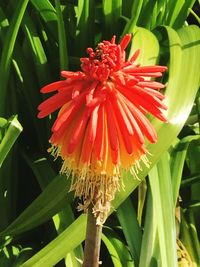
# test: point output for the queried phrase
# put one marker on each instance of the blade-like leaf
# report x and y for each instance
(112, 12)
(45, 174)
(12, 133)
(48, 14)
(150, 241)
(8, 47)
(159, 225)
(119, 253)
(177, 163)
(61, 38)
(182, 15)
(148, 44)
(58, 248)
(49, 202)
(135, 12)
(130, 228)
(85, 25)
(36, 50)
(164, 211)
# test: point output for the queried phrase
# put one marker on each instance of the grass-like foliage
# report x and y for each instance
(154, 220)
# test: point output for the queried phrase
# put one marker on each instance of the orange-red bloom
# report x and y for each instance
(101, 126)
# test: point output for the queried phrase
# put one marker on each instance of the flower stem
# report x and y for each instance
(92, 241)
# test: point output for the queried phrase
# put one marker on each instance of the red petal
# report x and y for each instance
(124, 125)
(77, 132)
(137, 132)
(54, 87)
(134, 56)
(90, 136)
(68, 114)
(119, 56)
(149, 105)
(125, 41)
(53, 103)
(143, 122)
(143, 69)
(153, 85)
(77, 87)
(71, 74)
(90, 94)
(65, 117)
(113, 39)
(153, 92)
(99, 141)
(150, 98)
(146, 74)
(115, 156)
(112, 131)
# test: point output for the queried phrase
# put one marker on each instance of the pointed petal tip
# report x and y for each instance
(163, 117)
(125, 41)
(45, 89)
(69, 74)
(154, 139)
(40, 115)
(51, 87)
(135, 55)
(162, 68)
(113, 39)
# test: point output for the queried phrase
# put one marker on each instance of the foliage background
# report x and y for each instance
(155, 225)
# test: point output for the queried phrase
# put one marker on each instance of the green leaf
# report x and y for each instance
(159, 239)
(28, 83)
(190, 180)
(177, 163)
(41, 169)
(130, 228)
(135, 13)
(7, 52)
(173, 11)
(36, 50)
(195, 15)
(48, 14)
(112, 10)
(187, 235)
(145, 15)
(60, 246)
(85, 26)
(47, 204)
(164, 210)
(62, 220)
(45, 174)
(142, 191)
(148, 44)
(8, 256)
(119, 253)
(150, 242)
(61, 38)
(3, 122)
(12, 133)
(182, 15)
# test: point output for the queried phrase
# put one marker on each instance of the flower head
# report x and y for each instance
(102, 125)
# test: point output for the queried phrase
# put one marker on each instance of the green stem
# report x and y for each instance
(92, 241)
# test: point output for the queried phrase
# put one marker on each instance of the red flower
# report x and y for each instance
(101, 126)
